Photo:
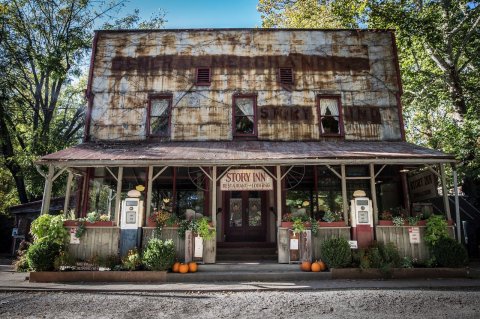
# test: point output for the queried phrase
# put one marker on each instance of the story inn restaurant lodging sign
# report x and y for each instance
(246, 127)
(245, 180)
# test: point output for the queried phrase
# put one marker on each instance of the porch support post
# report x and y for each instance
(457, 204)
(446, 204)
(374, 193)
(67, 193)
(279, 194)
(47, 190)
(344, 194)
(118, 196)
(406, 194)
(149, 193)
(214, 196)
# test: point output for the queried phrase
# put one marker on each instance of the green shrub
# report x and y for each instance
(435, 230)
(21, 264)
(49, 228)
(379, 255)
(159, 255)
(132, 260)
(336, 252)
(41, 256)
(449, 253)
(64, 259)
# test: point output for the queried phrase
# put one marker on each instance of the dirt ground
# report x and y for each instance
(263, 304)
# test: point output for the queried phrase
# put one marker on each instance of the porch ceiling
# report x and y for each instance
(244, 153)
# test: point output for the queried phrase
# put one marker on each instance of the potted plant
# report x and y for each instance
(287, 220)
(386, 218)
(93, 219)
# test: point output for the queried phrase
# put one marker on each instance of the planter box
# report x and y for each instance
(74, 223)
(98, 276)
(286, 224)
(399, 273)
(332, 224)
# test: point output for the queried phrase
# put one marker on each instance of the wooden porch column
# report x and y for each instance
(344, 193)
(457, 204)
(406, 195)
(67, 193)
(148, 205)
(47, 190)
(446, 204)
(279, 194)
(118, 197)
(374, 193)
(214, 196)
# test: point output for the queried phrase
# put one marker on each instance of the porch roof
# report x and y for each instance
(207, 153)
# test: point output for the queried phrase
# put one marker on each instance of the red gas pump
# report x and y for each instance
(361, 215)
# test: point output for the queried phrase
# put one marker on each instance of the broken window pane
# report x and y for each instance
(329, 116)
(244, 115)
(159, 116)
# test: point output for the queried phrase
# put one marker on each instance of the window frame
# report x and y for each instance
(341, 129)
(162, 96)
(234, 116)
(197, 82)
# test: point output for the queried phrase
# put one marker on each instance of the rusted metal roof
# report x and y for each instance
(243, 153)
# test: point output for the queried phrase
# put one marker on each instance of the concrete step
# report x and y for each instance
(247, 251)
(253, 258)
(264, 267)
(270, 276)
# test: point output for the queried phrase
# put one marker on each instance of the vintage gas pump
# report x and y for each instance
(130, 224)
(361, 215)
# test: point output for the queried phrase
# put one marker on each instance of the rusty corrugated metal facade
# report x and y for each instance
(358, 66)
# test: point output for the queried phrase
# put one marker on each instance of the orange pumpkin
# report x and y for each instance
(183, 268)
(192, 266)
(322, 265)
(316, 267)
(175, 266)
(306, 266)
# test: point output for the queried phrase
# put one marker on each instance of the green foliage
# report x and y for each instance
(336, 252)
(413, 220)
(49, 228)
(132, 261)
(449, 253)
(398, 221)
(204, 229)
(41, 255)
(64, 259)
(379, 255)
(298, 226)
(187, 225)
(435, 230)
(159, 255)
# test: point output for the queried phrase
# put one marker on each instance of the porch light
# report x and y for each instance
(404, 170)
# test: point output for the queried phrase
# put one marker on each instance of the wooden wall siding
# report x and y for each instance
(96, 241)
(400, 238)
(325, 233)
(358, 66)
(167, 233)
(283, 246)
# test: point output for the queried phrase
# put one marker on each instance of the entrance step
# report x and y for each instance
(248, 272)
(246, 254)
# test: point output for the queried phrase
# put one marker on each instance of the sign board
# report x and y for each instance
(422, 186)
(293, 244)
(414, 234)
(14, 232)
(246, 180)
(73, 236)
(353, 244)
(198, 252)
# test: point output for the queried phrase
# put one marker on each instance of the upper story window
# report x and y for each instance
(203, 76)
(285, 75)
(159, 111)
(244, 115)
(330, 115)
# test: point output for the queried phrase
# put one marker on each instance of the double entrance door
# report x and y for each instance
(246, 216)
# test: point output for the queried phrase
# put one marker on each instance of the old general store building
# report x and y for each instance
(245, 126)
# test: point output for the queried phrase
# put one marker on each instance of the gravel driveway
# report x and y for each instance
(266, 304)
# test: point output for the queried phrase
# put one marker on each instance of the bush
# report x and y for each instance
(41, 256)
(379, 255)
(49, 228)
(336, 252)
(435, 230)
(449, 253)
(159, 255)
(132, 260)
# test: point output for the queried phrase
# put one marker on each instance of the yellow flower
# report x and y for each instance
(166, 200)
(305, 203)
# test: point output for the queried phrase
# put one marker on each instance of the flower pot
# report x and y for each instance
(385, 223)
(286, 224)
(75, 223)
(151, 223)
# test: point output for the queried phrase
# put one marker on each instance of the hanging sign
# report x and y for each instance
(414, 234)
(423, 186)
(198, 252)
(246, 180)
(293, 244)
(73, 236)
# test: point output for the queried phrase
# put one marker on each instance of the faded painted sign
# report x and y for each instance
(291, 113)
(246, 179)
(422, 186)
